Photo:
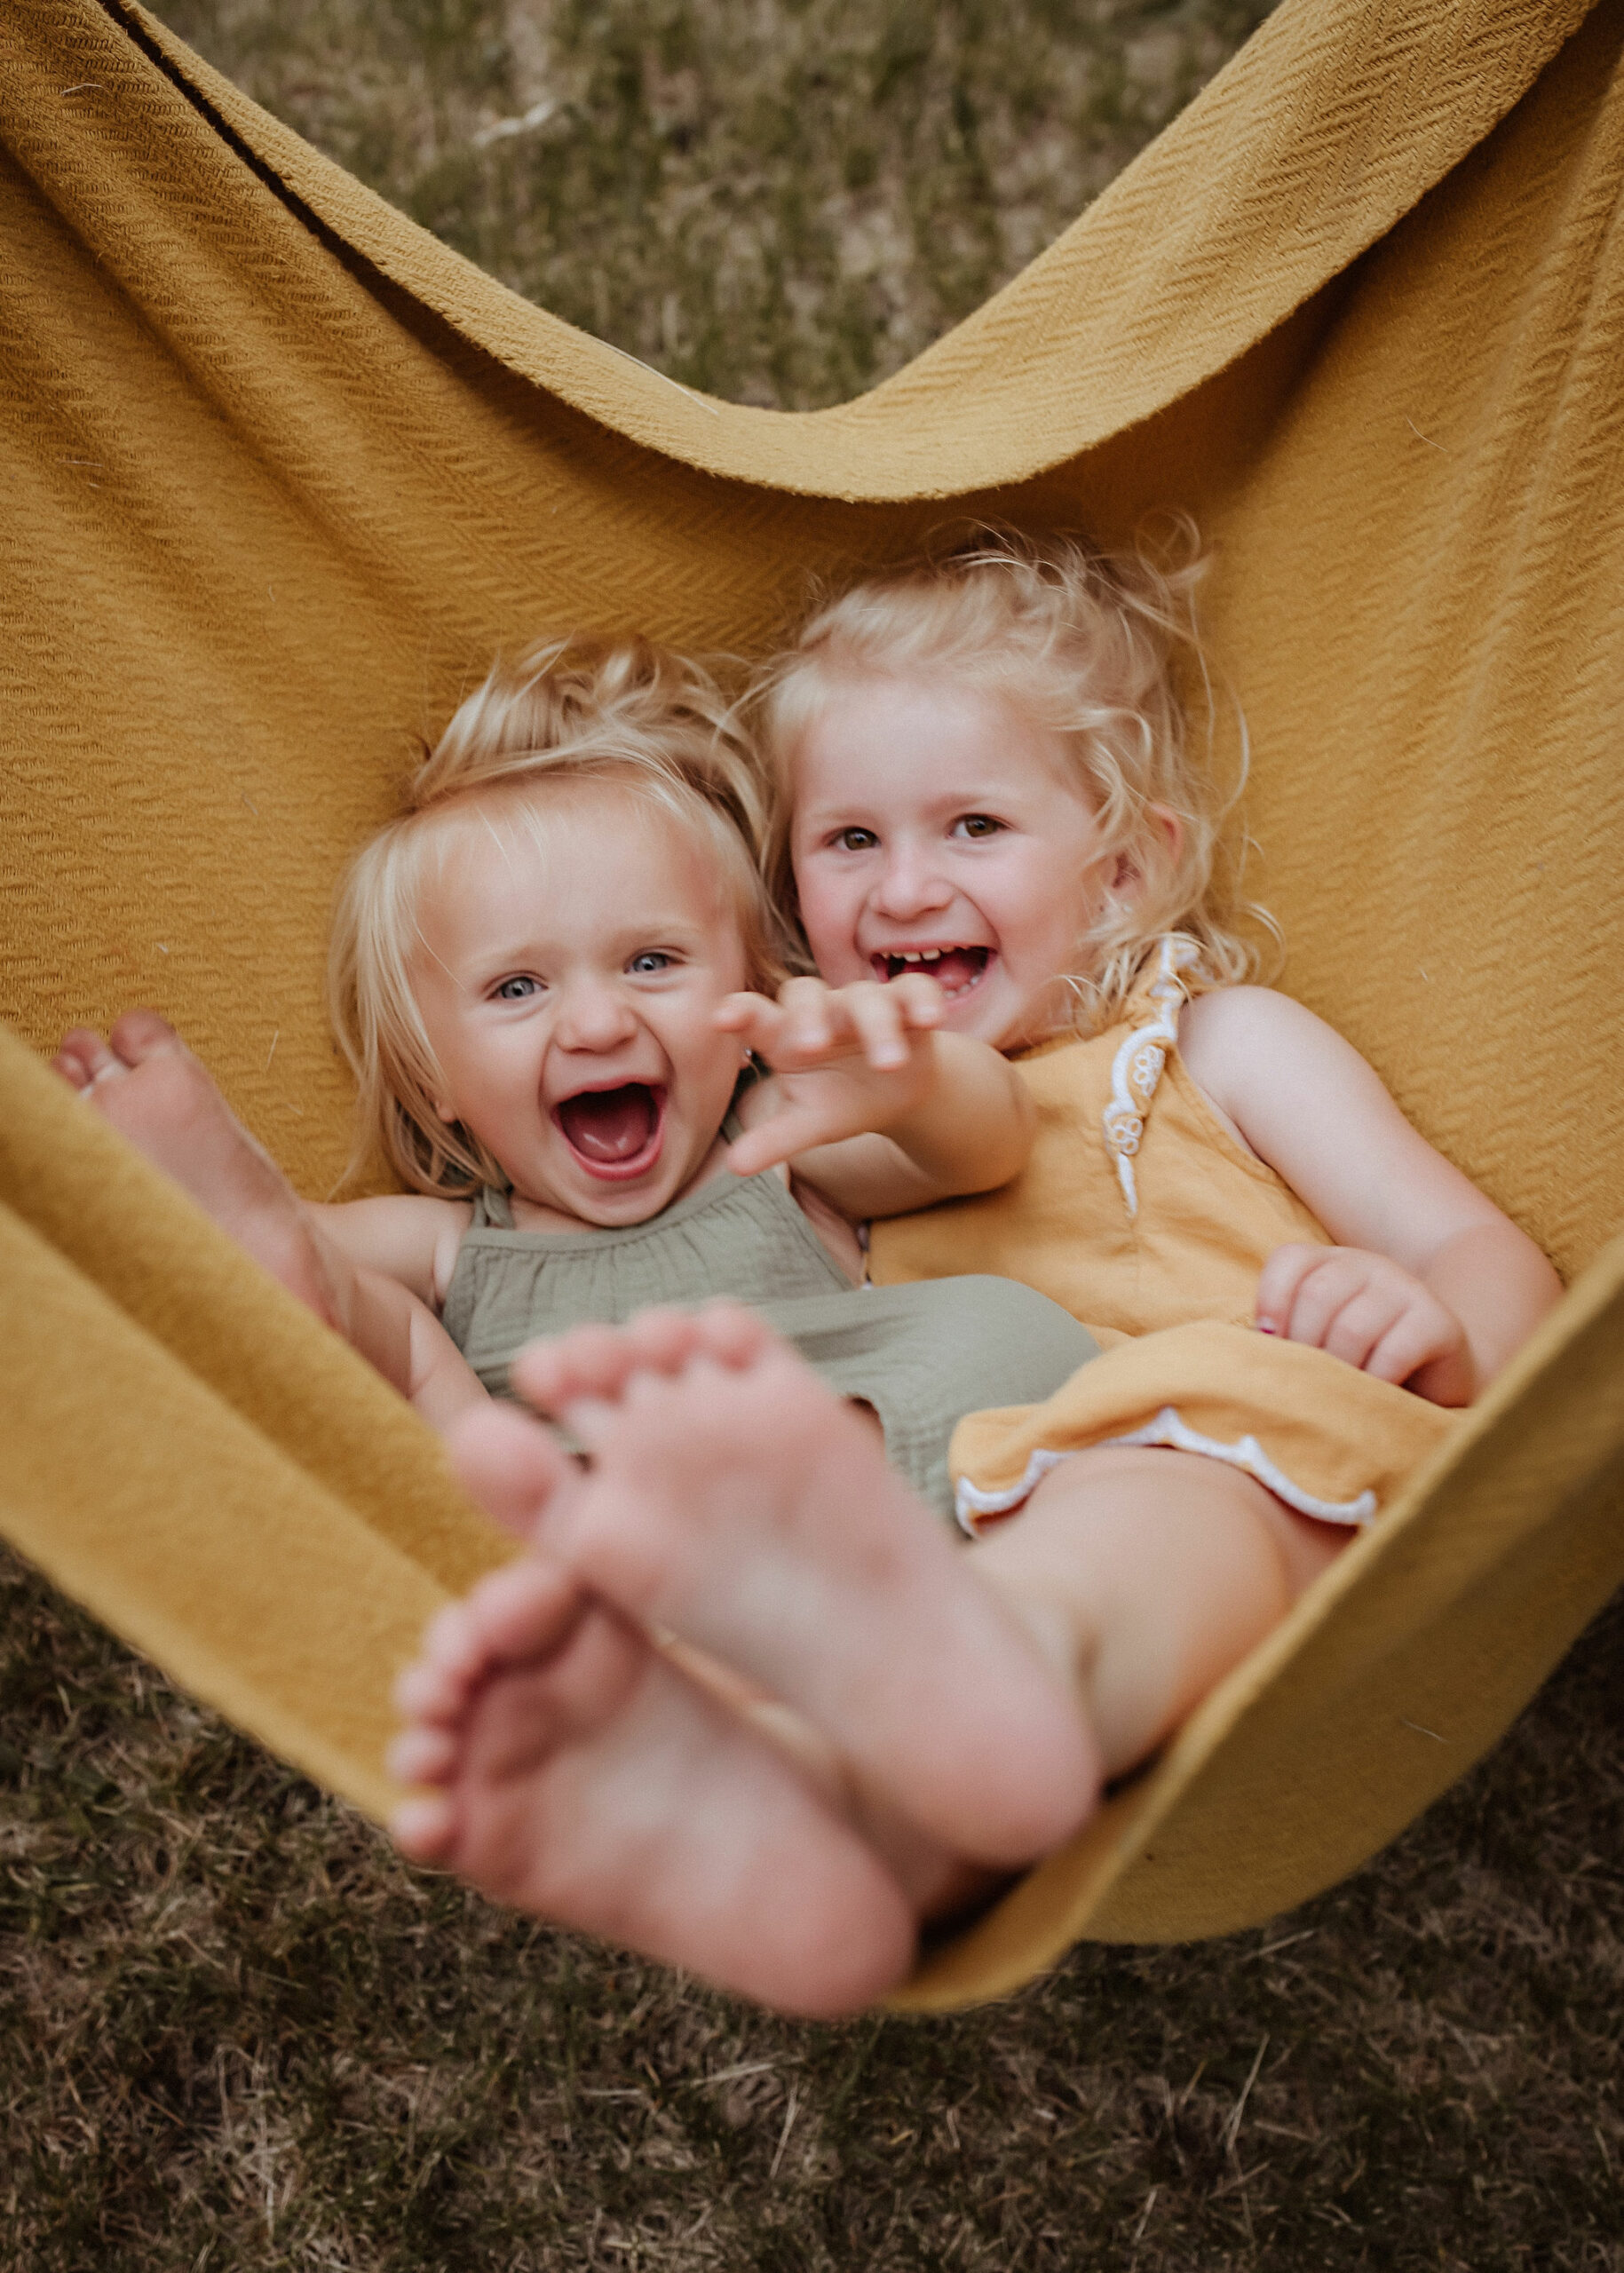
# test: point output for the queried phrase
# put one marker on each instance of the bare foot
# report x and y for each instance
(584, 1779)
(736, 1501)
(145, 1082)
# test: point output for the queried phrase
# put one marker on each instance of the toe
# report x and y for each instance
(451, 1643)
(525, 1612)
(665, 1340)
(141, 1034)
(422, 1756)
(75, 1061)
(430, 1694)
(510, 1464)
(732, 1335)
(592, 1361)
(84, 1058)
(423, 1829)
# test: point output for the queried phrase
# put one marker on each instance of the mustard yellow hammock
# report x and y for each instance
(279, 471)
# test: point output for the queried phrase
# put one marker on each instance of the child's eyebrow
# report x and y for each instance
(858, 812)
(639, 932)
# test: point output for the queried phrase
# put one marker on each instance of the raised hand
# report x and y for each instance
(845, 1062)
(1369, 1311)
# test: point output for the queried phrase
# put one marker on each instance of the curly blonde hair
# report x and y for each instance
(1086, 646)
(564, 712)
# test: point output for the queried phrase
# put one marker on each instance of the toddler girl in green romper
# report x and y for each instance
(543, 976)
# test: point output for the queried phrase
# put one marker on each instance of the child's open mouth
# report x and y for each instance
(615, 1134)
(954, 970)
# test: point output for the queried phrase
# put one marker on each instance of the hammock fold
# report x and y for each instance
(282, 471)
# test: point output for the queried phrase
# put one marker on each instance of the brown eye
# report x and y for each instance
(979, 825)
(857, 840)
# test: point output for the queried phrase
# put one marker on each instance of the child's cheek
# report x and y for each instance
(831, 935)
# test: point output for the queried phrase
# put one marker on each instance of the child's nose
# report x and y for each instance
(911, 885)
(593, 1014)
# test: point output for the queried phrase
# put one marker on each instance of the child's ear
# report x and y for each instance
(444, 1112)
(1165, 837)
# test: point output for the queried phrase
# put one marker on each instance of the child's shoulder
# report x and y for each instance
(1251, 1019)
(1240, 1044)
(405, 1235)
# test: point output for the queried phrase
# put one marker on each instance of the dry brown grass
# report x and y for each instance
(780, 201)
(237, 2032)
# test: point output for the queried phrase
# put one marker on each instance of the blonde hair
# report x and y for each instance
(564, 712)
(1087, 647)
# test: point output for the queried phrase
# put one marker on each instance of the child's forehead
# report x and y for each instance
(908, 735)
(582, 847)
(582, 822)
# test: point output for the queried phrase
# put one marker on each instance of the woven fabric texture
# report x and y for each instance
(280, 473)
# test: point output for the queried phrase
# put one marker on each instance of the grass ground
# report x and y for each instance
(235, 2032)
(778, 201)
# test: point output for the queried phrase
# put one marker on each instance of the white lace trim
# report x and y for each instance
(1136, 1068)
(1169, 1431)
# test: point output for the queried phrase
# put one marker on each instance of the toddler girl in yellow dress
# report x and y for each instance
(983, 775)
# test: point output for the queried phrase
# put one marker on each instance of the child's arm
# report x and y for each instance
(873, 1107)
(389, 1262)
(1428, 1284)
(402, 1336)
(405, 1235)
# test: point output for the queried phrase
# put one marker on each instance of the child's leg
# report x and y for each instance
(145, 1082)
(737, 1503)
(1151, 1573)
(1141, 1575)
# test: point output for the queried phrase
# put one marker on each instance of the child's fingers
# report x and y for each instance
(775, 1140)
(757, 1021)
(880, 1018)
(1278, 1281)
(1354, 1330)
(1321, 1295)
(1422, 1332)
(811, 1016)
(917, 996)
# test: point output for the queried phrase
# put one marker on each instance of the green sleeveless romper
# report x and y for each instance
(921, 1355)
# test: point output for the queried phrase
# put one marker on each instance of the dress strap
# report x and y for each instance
(1136, 1068)
(493, 1209)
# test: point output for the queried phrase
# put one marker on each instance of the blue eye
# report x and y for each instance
(651, 960)
(515, 990)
